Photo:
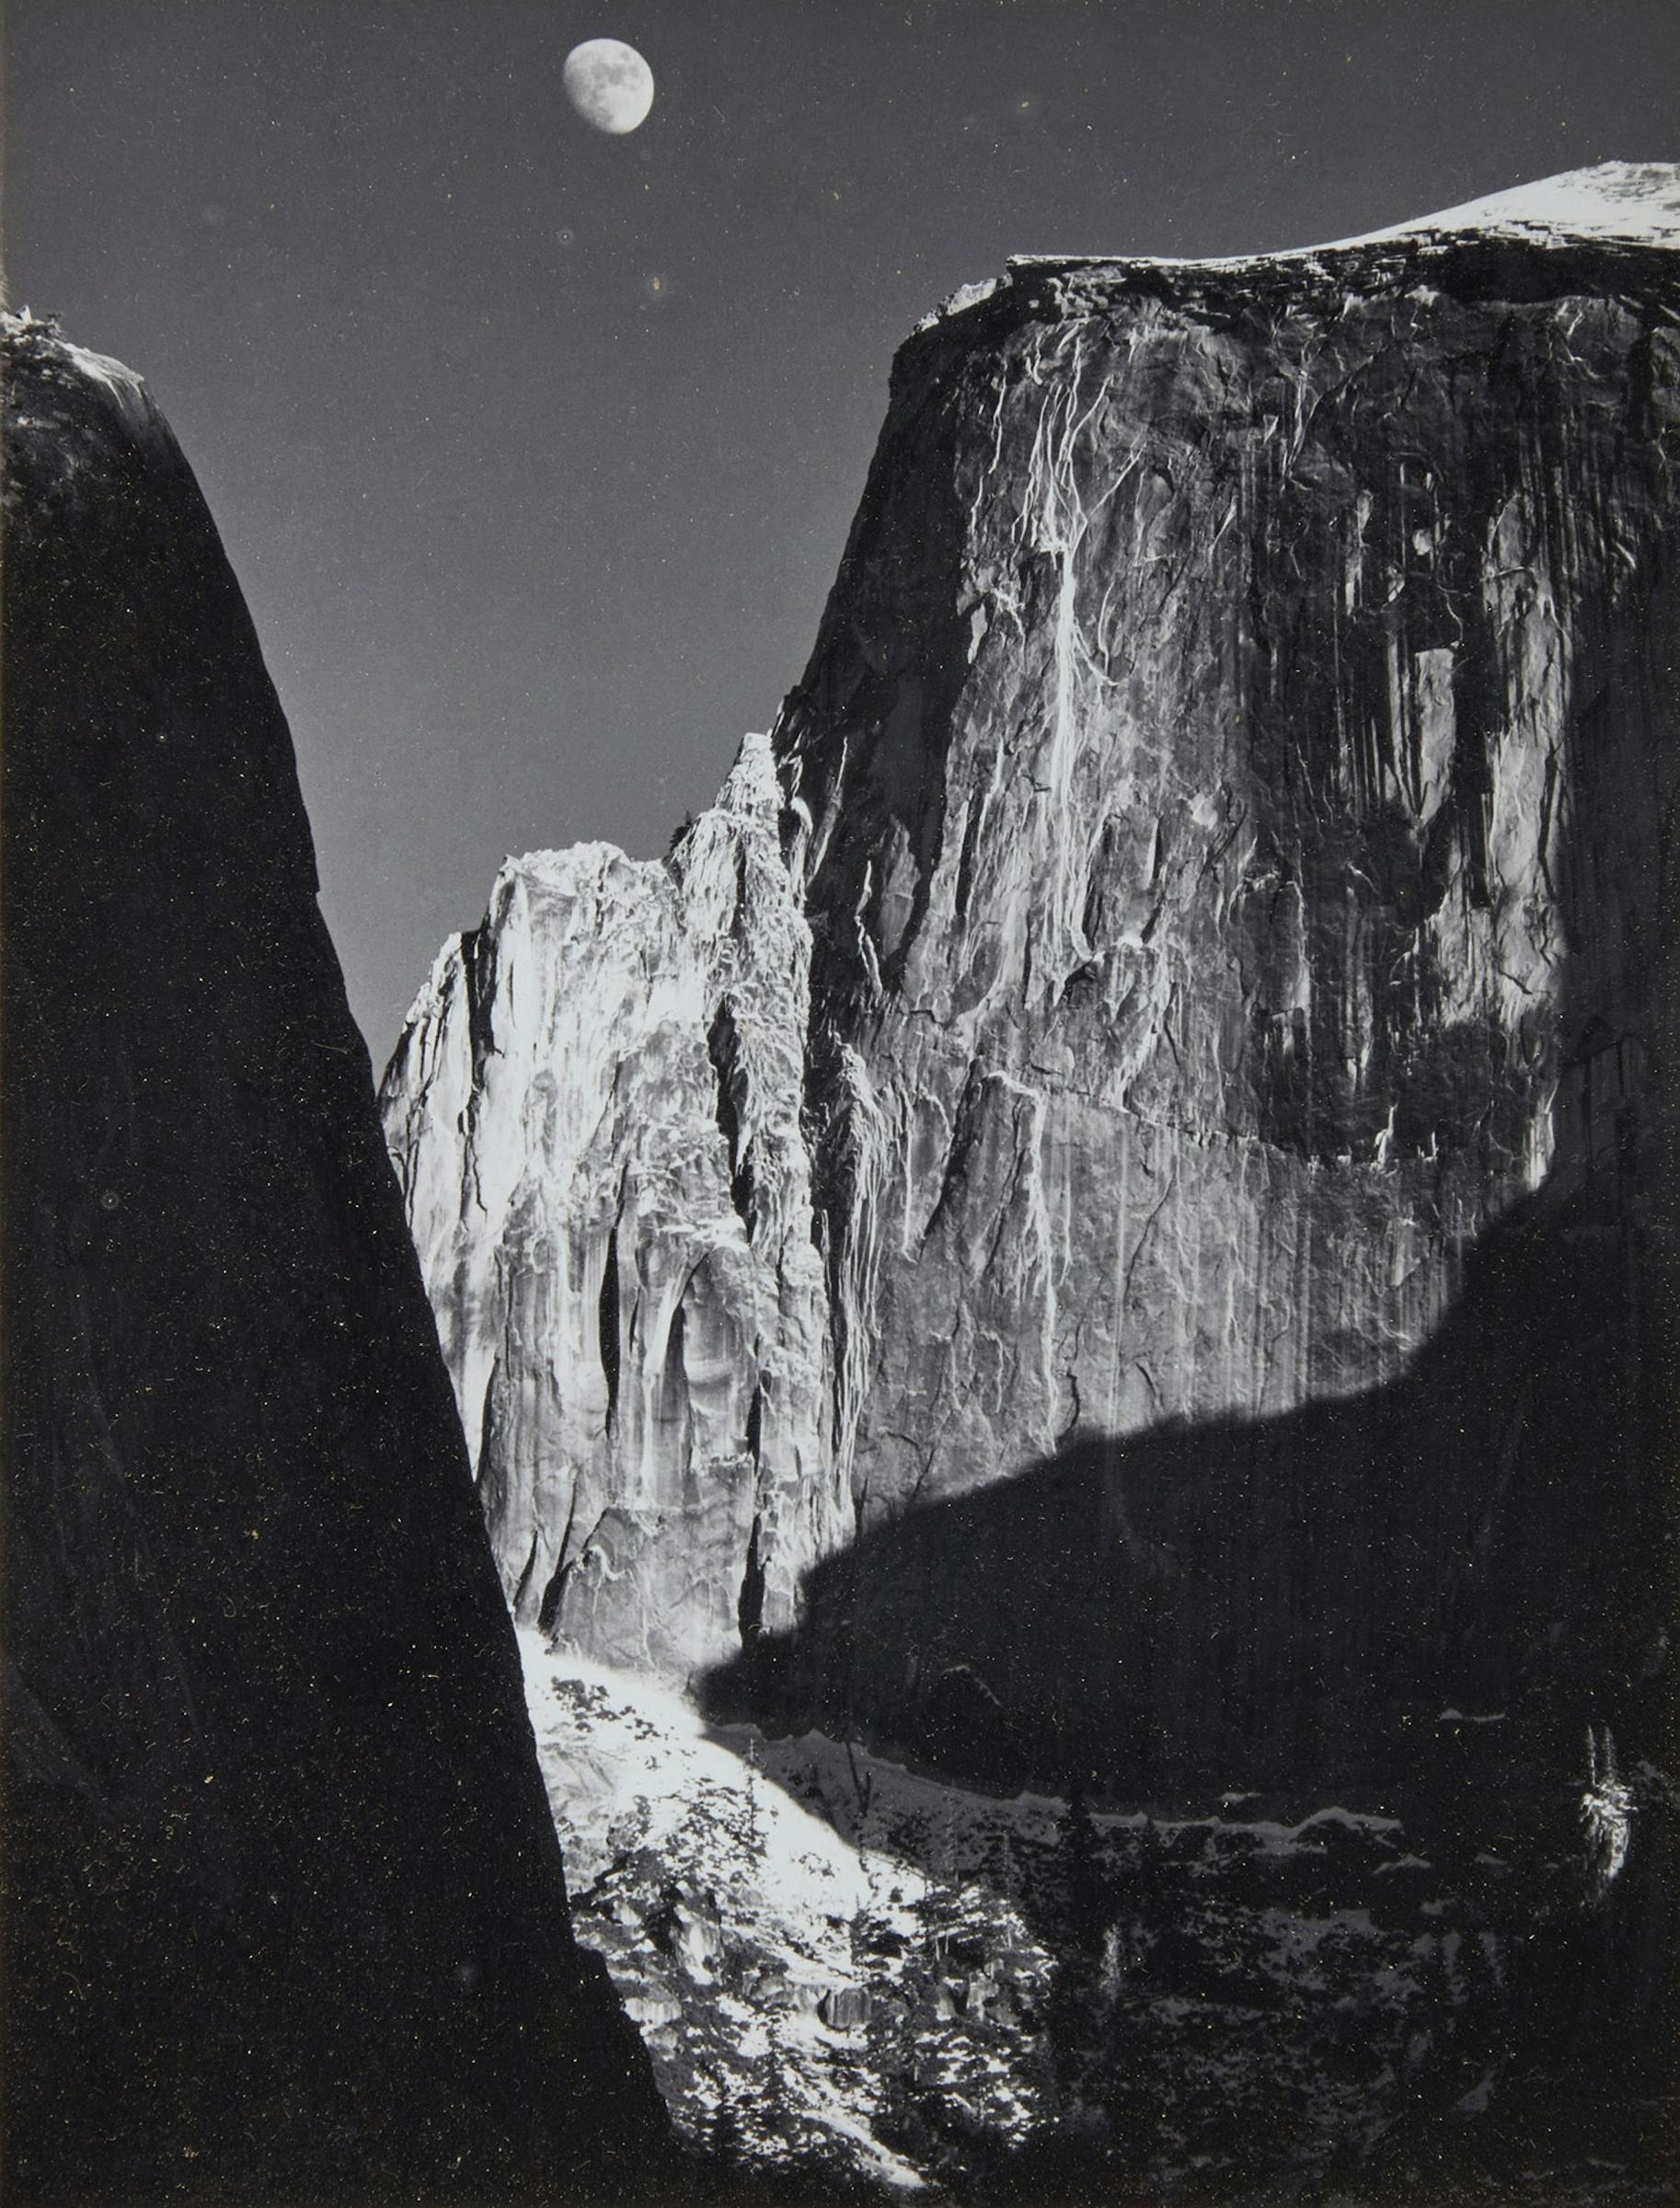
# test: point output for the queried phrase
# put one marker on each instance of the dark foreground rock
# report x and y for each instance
(285, 1912)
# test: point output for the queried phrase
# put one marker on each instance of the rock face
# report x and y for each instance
(285, 1914)
(1230, 785)
(1228, 800)
(595, 1114)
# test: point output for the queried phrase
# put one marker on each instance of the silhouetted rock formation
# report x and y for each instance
(285, 1915)
(1230, 798)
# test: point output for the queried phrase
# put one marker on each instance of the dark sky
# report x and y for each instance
(534, 450)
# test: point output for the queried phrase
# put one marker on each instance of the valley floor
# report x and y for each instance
(854, 1975)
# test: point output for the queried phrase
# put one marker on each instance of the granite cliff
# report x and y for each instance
(595, 1114)
(285, 1917)
(1214, 1006)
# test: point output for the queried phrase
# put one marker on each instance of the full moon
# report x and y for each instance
(609, 84)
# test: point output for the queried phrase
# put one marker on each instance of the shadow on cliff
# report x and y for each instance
(1289, 1605)
(1416, 1600)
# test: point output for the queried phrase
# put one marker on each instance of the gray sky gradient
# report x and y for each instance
(534, 450)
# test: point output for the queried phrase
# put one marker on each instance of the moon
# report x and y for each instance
(610, 84)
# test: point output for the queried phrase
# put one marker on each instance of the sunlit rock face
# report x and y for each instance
(1222, 789)
(284, 1913)
(595, 1114)
(1225, 798)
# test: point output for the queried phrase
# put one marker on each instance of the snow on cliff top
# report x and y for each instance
(22, 329)
(1634, 203)
(1622, 202)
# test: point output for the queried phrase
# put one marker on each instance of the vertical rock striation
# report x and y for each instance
(1229, 799)
(595, 1114)
(285, 1915)
(1197, 823)
(1230, 793)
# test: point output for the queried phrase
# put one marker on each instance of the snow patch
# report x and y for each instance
(1620, 202)
(771, 1960)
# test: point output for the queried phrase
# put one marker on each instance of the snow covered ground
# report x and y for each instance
(837, 1962)
(796, 1977)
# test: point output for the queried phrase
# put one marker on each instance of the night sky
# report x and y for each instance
(535, 449)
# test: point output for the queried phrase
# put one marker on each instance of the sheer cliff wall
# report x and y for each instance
(595, 1114)
(1232, 766)
(1229, 801)
(1230, 795)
